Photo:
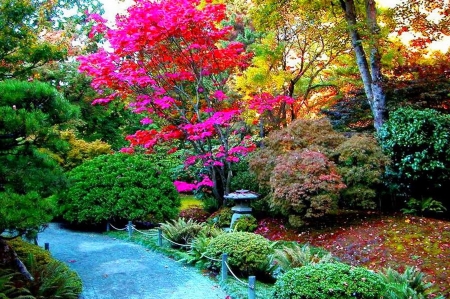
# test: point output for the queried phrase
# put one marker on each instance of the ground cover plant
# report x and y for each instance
(378, 242)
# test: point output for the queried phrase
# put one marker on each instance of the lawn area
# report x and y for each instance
(378, 241)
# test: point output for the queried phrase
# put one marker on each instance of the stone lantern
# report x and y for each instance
(242, 199)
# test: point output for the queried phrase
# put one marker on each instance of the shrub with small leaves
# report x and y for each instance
(418, 143)
(248, 253)
(361, 164)
(119, 187)
(222, 217)
(246, 223)
(329, 281)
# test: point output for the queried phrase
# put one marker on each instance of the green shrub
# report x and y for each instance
(424, 206)
(248, 253)
(361, 164)
(246, 223)
(221, 218)
(329, 281)
(409, 284)
(244, 178)
(119, 187)
(418, 143)
(181, 231)
(53, 280)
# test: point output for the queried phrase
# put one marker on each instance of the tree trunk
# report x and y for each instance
(379, 96)
(370, 74)
(9, 258)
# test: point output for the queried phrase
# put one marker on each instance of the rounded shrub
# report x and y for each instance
(119, 187)
(248, 253)
(361, 164)
(329, 281)
(418, 143)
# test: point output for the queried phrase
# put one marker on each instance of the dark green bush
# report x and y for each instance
(418, 143)
(246, 223)
(248, 253)
(329, 281)
(221, 218)
(361, 164)
(119, 187)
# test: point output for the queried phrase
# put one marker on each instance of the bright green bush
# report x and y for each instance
(248, 253)
(119, 187)
(329, 281)
(246, 223)
(418, 143)
(361, 164)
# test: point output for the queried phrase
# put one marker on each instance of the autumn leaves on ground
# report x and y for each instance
(376, 242)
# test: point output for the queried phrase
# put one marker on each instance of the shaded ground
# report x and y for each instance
(376, 242)
(115, 269)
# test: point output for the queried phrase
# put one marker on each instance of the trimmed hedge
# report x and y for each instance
(248, 253)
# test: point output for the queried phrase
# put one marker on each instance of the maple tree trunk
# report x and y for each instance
(370, 74)
(9, 258)
(378, 93)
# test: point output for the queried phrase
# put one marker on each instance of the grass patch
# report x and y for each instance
(189, 201)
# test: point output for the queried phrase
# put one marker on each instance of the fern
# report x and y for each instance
(53, 280)
(9, 291)
(407, 285)
(181, 231)
(295, 255)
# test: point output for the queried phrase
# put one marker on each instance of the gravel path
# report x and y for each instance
(115, 269)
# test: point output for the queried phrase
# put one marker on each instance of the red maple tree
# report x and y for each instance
(172, 61)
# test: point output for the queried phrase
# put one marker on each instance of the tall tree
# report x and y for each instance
(172, 62)
(30, 115)
(369, 65)
(300, 42)
(35, 32)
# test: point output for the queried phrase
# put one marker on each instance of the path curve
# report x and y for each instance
(116, 269)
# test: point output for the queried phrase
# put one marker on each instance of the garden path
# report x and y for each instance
(115, 269)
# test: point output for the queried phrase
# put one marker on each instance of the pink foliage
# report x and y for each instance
(163, 57)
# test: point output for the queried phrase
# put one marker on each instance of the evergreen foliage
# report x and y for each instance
(329, 281)
(119, 187)
(418, 143)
